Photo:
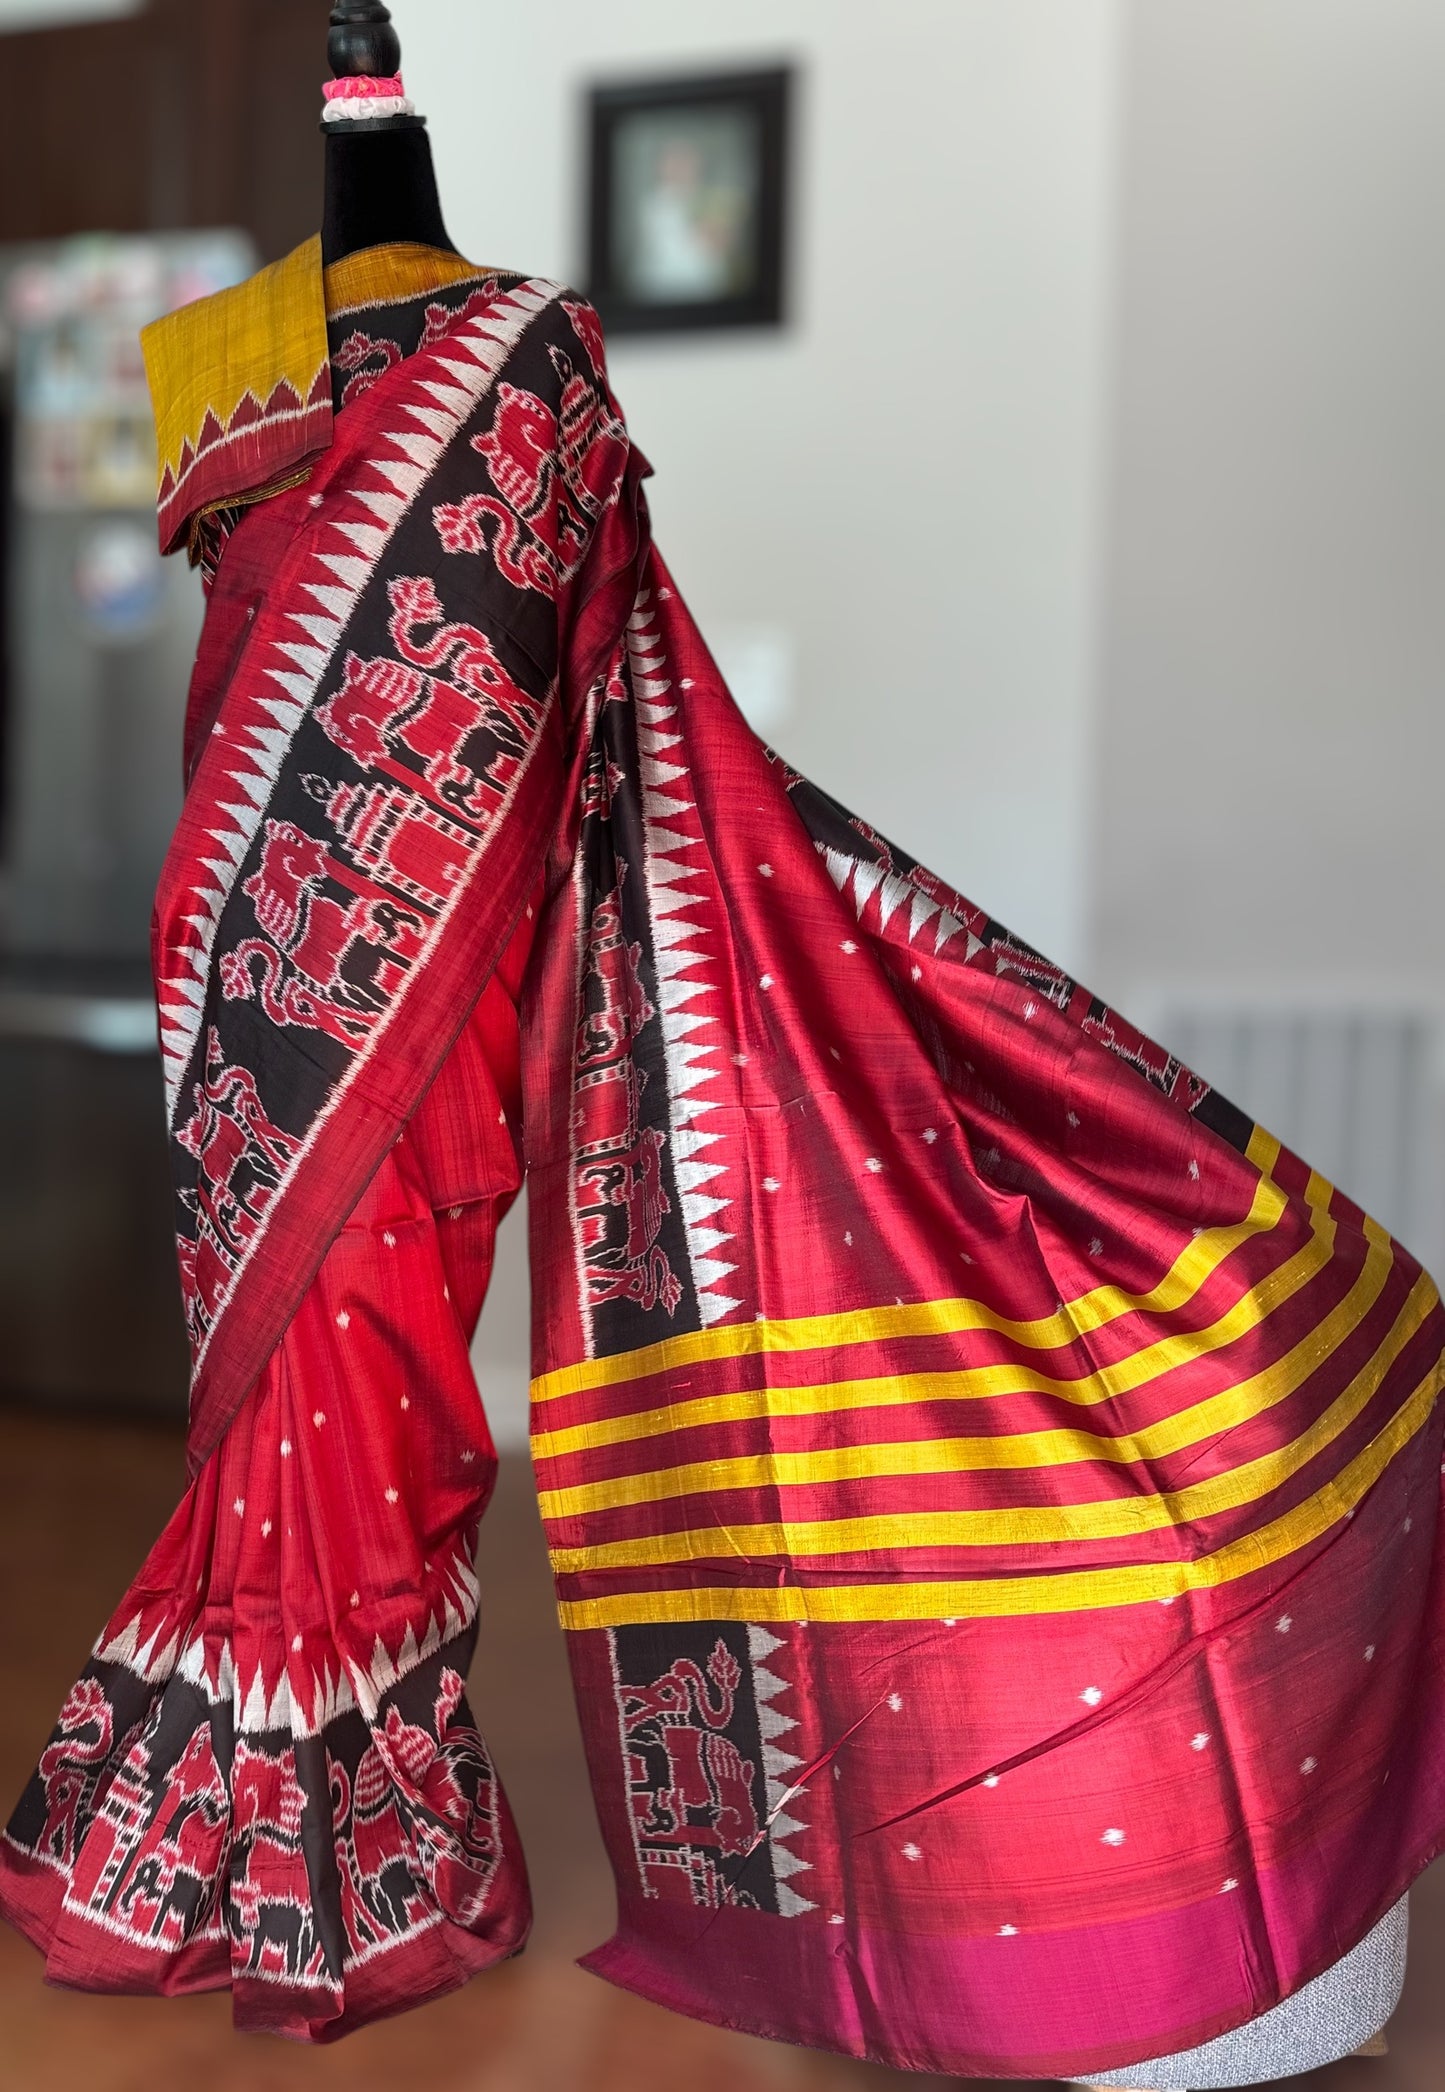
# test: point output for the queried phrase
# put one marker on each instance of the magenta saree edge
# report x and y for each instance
(1011, 1984)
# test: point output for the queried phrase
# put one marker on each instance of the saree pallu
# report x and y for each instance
(991, 1484)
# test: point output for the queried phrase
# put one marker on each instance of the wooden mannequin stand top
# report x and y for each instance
(380, 180)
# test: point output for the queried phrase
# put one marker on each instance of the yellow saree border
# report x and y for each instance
(392, 275)
(1188, 1275)
(826, 1542)
(1109, 1518)
(1012, 1597)
(1183, 1431)
(1247, 1315)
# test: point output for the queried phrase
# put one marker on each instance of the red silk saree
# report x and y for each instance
(992, 1486)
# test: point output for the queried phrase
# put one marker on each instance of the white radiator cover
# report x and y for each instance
(1352, 1079)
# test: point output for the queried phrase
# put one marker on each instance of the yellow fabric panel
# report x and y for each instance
(1025, 1525)
(390, 275)
(1012, 1597)
(1224, 1411)
(1192, 1270)
(205, 359)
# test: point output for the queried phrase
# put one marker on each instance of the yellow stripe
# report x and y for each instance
(1022, 1526)
(387, 275)
(1224, 1411)
(1009, 1597)
(1195, 1266)
(967, 1384)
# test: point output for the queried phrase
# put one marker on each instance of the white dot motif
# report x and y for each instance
(874, 1165)
(389, 1239)
(297, 1644)
(990, 1779)
(913, 1852)
(848, 946)
(1370, 1653)
(1113, 1837)
(930, 1134)
(239, 1507)
(343, 1320)
(766, 870)
(1309, 1764)
(391, 1496)
(1227, 1888)
(1283, 1624)
(265, 1528)
(319, 1419)
(1200, 1742)
(1008, 1931)
(771, 1184)
(766, 981)
(1091, 1696)
(285, 1449)
(895, 1702)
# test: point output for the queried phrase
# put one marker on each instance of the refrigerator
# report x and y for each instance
(98, 638)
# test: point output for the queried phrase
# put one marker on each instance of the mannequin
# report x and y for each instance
(380, 181)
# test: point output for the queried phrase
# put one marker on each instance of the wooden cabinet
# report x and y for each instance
(192, 113)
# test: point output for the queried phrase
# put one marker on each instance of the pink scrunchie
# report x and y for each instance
(363, 87)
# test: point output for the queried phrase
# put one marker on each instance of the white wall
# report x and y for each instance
(906, 479)
(1272, 732)
(904, 484)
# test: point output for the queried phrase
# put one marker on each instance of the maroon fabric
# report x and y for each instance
(992, 1486)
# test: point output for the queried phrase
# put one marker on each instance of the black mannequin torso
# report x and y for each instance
(380, 181)
(380, 186)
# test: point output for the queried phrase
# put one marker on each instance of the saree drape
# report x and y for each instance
(992, 1485)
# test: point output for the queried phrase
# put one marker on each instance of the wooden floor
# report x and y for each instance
(79, 1506)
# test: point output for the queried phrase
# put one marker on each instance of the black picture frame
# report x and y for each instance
(759, 105)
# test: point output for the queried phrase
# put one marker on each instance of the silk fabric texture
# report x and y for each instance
(992, 1485)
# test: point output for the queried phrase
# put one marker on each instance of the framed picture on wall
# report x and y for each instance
(688, 204)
